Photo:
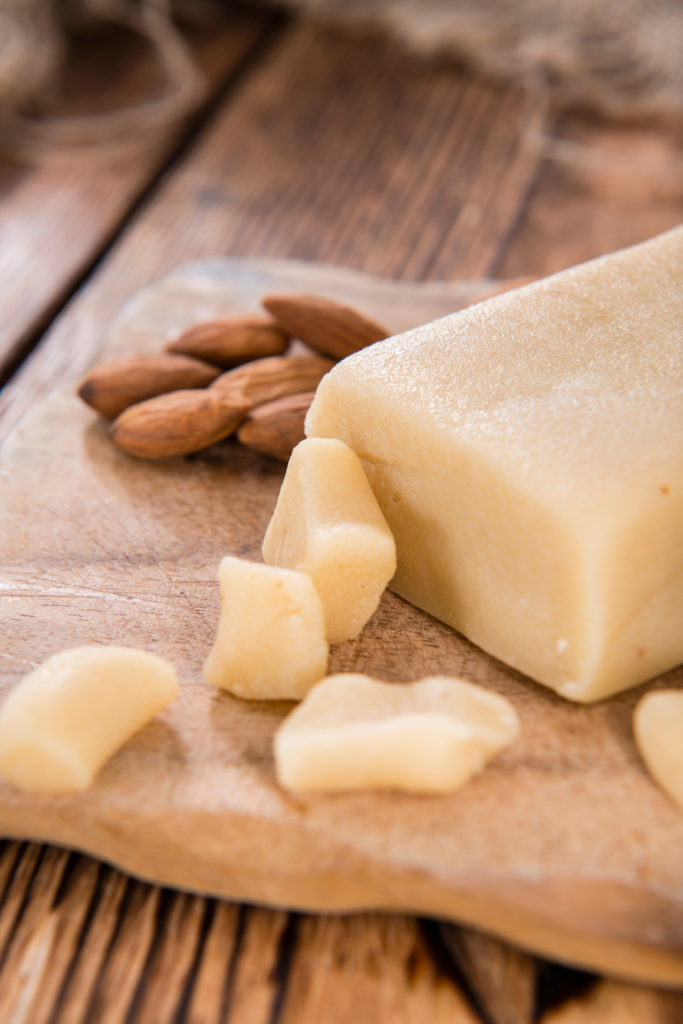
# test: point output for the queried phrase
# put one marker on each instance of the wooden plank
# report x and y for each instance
(603, 187)
(10, 853)
(164, 978)
(502, 978)
(92, 950)
(61, 936)
(113, 995)
(56, 218)
(210, 993)
(338, 150)
(16, 893)
(369, 969)
(612, 1002)
(25, 959)
(255, 982)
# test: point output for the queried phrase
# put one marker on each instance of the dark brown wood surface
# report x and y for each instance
(333, 149)
(58, 215)
(599, 187)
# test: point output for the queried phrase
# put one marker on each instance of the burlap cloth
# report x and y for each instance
(34, 46)
(623, 58)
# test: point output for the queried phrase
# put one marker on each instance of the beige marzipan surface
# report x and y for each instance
(658, 729)
(68, 716)
(353, 732)
(527, 456)
(270, 643)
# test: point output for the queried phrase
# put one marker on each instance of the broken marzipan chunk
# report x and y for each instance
(355, 732)
(327, 523)
(67, 717)
(271, 642)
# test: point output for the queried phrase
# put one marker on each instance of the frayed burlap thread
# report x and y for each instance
(33, 47)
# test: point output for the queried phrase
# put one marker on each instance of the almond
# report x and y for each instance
(177, 424)
(277, 427)
(325, 325)
(232, 341)
(115, 385)
(267, 379)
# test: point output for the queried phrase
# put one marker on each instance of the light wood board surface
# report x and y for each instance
(563, 845)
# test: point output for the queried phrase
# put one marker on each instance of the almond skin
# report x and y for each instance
(325, 325)
(275, 428)
(113, 386)
(232, 341)
(264, 380)
(177, 424)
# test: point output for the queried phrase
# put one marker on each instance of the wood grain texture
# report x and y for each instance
(174, 951)
(502, 978)
(602, 187)
(208, 1002)
(255, 984)
(90, 955)
(365, 969)
(93, 946)
(61, 936)
(27, 953)
(98, 547)
(130, 947)
(337, 150)
(56, 218)
(23, 864)
(613, 1002)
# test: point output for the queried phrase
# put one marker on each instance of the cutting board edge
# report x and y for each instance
(371, 887)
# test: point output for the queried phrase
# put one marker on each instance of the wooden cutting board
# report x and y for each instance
(562, 845)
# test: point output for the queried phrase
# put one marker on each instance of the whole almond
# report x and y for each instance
(232, 341)
(177, 424)
(325, 325)
(113, 386)
(275, 428)
(264, 380)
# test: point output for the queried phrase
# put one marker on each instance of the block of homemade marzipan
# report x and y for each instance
(658, 728)
(527, 454)
(327, 523)
(66, 718)
(270, 643)
(355, 732)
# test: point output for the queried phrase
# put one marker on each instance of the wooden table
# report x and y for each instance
(322, 147)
